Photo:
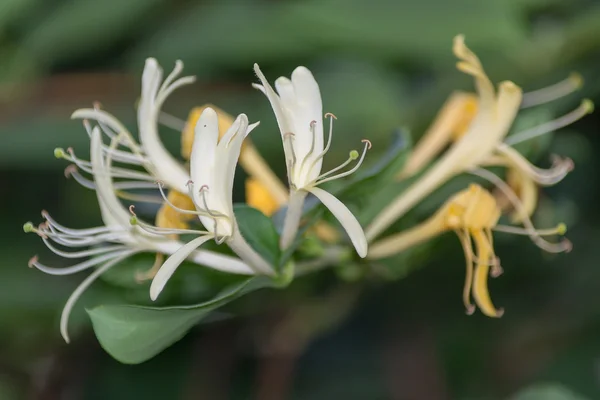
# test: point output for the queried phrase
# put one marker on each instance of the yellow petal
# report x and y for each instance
(527, 191)
(452, 120)
(481, 293)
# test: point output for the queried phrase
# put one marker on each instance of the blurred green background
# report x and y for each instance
(381, 64)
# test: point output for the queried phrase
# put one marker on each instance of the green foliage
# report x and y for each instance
(259, 232)
(134, 334)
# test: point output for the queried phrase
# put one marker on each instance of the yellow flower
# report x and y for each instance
(478, 125)
(472, 214)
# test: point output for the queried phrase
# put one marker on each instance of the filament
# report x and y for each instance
(553, 92)
(84, 253)
(564, 246)
(585, 108)
(64, 318)
(349, 172)
(73, 269)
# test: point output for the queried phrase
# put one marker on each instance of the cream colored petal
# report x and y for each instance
(346, 218)
(168, 268)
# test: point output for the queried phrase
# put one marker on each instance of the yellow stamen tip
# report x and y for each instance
(561, 229)
(353, 155)
(28, 227)
(59, 153)
(577, 79)
(588, 106)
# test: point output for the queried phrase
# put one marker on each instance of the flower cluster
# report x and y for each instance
(194, 194)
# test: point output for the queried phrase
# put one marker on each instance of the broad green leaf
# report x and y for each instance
(134, 334)
(259, 232)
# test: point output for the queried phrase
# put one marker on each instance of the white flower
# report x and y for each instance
(299, 111)
(212, 166)
(117, 239)
(150, 153)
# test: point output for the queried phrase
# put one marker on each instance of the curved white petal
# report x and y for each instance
(168, 268)
(113, 212)
(207, 258)
(166, 167)
(346, 218)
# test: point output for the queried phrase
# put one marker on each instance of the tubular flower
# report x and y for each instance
(472, 214)
(116, 240)
(298, 109)
(212, 167)
(150, 153)
(481, 144)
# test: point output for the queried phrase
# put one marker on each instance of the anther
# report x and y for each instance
(189, 183)
(289, 134)
(568, 245)
(132, 210)
(368, 142)
(32, 261)
(330, 115)
(313, 123)
(59, 152)
(28, 227)
(470, 309)
(587, 106)
(203, 188)
(45, 214)
(70, 170)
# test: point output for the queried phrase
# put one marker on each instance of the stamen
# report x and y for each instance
(327, 146)
(173, 206)
(71, 231)
(560, 229)
(545, 95)
(64, 318)
(564, 246)
(199, 211)
(313, 123)
(586, 107)
(84, 253)
(73, 269)
(547, 177)
(353, 156)
(156, 230)
(86, 166)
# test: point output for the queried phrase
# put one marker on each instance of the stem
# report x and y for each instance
(332, 256)
(292, 218)
(240, 246)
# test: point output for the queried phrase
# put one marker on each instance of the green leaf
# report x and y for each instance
(259, 232)
(134, 334)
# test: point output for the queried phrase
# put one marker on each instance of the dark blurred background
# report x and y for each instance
(381, 64)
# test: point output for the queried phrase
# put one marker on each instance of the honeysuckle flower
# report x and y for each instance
(264, 190)
(212, 170)
(299, 112)
(117, 239)
(472, 214)
(481, 144)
